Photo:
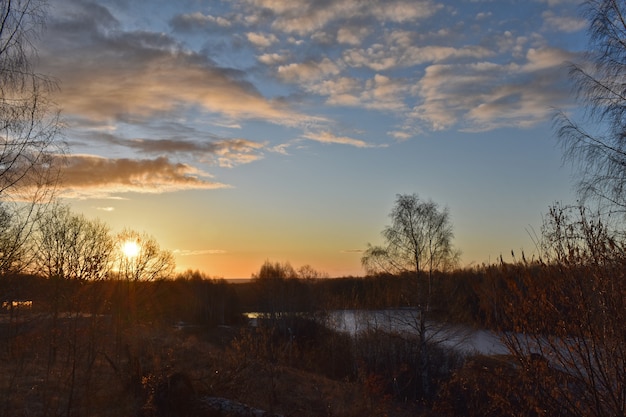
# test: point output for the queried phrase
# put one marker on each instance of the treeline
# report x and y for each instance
(552, 317)
(471, 296)
(464, 295)
(190, 297)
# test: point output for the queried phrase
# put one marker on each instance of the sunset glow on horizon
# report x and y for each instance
(241, 131)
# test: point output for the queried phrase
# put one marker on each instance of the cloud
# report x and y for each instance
(327, 137)
(428, 65)
(88, 176)
(281, 148)
(400, 135)
(560, 23)
(352, 35)
(377, 93)
(226, 152)
(271, 58)
(400, 50)
(198, 21)
(383, 93)
(545, 59)
(308, 72)
(304, 17)
(261, 40)
(323, 78)
(487, 95)
(110, 75)
(557, 2)
(343, 91)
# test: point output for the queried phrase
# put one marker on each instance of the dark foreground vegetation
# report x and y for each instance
(82, 344)
(170, 347)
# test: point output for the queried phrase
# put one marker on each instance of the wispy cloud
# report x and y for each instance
(188, 22)
(327, 137)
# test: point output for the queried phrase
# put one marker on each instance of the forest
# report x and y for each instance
(96, 323)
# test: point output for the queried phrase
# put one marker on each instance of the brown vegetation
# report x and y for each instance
(154, 346)
(77, 347)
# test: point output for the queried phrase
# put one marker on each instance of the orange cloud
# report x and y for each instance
(88, 176)
(225, 152)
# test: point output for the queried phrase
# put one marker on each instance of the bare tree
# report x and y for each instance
(29, 122)
(11, 249)
(139, 258)
(147, 262)
(599, 147)
(70, 246)
(418, 242)
(308, 272)
(29, 125)
(70, 250)
(272, 284)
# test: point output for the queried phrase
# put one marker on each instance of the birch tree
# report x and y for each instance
(30, 143)
(597, 141)
(418, 242)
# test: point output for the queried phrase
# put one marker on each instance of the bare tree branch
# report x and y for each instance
(600, 85)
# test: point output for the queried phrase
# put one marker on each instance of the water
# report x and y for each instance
(459, 337)
(462, 338)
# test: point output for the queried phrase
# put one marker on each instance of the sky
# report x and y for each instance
(240, 131)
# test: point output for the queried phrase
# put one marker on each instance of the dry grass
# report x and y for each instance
(116, 380)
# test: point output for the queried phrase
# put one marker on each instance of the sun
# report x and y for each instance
(130, 249)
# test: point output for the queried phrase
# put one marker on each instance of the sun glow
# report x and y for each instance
(130, 249)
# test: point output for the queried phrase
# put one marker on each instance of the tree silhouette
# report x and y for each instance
(418, 240)
(149, 263)
(598, 143)
(29, 127)
(70, 246)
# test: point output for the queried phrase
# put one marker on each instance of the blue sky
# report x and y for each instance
(245, 130)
